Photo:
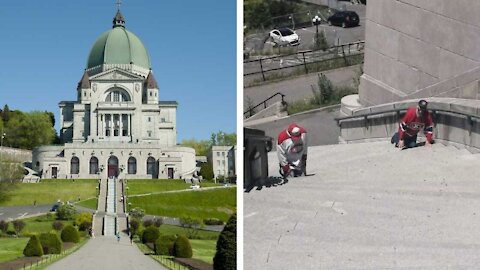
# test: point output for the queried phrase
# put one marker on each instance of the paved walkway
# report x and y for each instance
(106, 253)
(368, 206)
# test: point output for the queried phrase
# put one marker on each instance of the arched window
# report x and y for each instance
(151, 165)
(132, 165)
(93, 165)
(117, 95)
(74, 165)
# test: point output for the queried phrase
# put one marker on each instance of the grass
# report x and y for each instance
(49, 191)
(204, 249)
(136, 187)
(12, 248)
(166, 229)
(41, 224)
(89, 203)
(218, 203)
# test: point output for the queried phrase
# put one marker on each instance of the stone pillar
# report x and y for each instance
(128, 124)
(111, 124)
(120, 125)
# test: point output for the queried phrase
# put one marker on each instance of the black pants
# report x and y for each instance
(408, 141)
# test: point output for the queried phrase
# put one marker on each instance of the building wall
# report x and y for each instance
(413, 44)
(220, 161)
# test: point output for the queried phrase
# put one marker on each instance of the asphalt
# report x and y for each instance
(368, 206)
(106, 253)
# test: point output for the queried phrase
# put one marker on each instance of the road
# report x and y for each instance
(13, 212)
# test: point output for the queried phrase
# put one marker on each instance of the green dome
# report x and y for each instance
(118, 46)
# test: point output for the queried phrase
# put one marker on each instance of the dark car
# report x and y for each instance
(344, 19)
(55, 207)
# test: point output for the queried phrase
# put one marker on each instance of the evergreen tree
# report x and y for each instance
(226, 256)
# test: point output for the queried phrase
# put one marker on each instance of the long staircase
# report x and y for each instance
(109, 221)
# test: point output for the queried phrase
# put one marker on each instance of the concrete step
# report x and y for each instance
(367, 206)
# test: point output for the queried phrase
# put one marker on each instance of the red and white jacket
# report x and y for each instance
(289, 150)
(411, 124)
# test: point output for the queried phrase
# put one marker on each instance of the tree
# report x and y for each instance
(206, 170)
(4, 226)
(11, 172)
(5, 113)
(191, 225)
(226, 255)
(70, 234)
(182, 247)
(222, 138)
(18, 226)
(137, 213)
(66, 212)
(201, 146)
(320, 41)
(134, 225)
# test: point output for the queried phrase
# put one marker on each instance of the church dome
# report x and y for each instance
(118, 47)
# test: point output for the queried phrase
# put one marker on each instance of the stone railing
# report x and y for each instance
(456, 121)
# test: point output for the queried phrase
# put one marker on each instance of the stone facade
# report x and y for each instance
(117, 126)
(222, 158)
(412, 46)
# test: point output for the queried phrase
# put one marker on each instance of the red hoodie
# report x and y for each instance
(411, 124)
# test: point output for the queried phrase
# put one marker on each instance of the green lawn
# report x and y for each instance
(11, 248)
(49, 191)
(204, 249)
(202, 234)
(90, 203)
(218, 203)
(136, 187)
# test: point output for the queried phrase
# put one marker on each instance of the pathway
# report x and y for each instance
(106, 253)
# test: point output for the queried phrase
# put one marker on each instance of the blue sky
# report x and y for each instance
(44, 46)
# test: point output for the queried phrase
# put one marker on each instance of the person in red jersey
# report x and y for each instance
(415, 119)
(292, 150)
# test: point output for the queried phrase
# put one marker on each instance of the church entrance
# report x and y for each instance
(170, 173)
(54, 172)
(112, 166)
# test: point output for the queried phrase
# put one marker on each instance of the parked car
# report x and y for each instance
(344, 19)
(285, 36)
(55, 207)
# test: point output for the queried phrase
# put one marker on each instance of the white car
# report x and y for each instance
(285, 36)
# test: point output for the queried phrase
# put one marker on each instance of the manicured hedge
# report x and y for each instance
(70, 234)
(226, 256)
(164, 245)
(51, 243)
(150, 234)
(33, 247)
(182, 247)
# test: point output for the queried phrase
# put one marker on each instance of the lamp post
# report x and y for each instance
(316, 21)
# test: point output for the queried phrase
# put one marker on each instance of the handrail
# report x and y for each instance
(434, 111)
(265, 103)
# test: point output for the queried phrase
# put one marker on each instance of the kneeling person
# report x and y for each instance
(415, 119)
(292, 150)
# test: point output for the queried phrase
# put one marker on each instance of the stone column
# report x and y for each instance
(112, 122)
(128, 124)
(121, 125)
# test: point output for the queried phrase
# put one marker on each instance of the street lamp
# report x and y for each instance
(316, 21)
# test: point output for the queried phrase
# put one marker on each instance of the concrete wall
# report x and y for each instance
(452, 128)
(16, 154)
(412, 45)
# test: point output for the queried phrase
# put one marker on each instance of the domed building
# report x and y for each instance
(117, 127)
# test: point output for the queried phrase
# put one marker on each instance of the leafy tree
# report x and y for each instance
(206, 170)
(226, 255)
(11, 172)
(225, 139)
(137, 213)
(66, 212)
(4, 226)
(18, 226)
(191, 225)
(33, 247)
(150, 235)
(82, 217)
(134, 225)
(158, 222)
(201, 146)
(182, 247)
(5, 113)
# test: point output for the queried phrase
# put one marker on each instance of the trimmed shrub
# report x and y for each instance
(70, 234)
(4, 226)
(164, 245)
(57, 225)
(147, 223)
(85, 226)
(134, 225)
(51, 243)
(33, 247)
(182, 247)
(66, 212)
(18, 225)
(212, 221)
(150, 234)
(226, 255)
(82, 218)
(137, 213)
(158, 222)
